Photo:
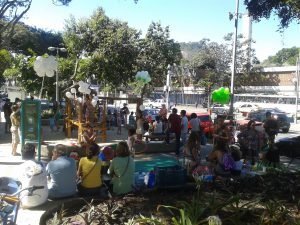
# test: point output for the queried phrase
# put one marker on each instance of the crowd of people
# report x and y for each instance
(63, 177)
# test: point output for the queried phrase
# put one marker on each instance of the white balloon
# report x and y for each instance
(88, 91)
(69, 95)
(94, 102)
(50, 73)
(79, 99)
(96, 98)
(81, 89)
(73, 90)
(80, 83)
(142, 107)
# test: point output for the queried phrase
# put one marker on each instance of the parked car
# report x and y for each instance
(289, 146)
(156, 103)
(281, 117)
(220, 108)
(206, 123)
(247, 107)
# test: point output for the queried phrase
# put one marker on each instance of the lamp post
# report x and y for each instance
(167, 88)
(234, 57)
(297, 86)
(57, 55)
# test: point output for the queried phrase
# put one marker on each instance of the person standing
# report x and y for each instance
(15, 129)
(163, 112)
(174, 123)
(7, 112)
(119, 123)
(271, 127)
(132, 123)
(31, 173)
(195, 124)
(184, 126)
(61, 172)
(125, 113)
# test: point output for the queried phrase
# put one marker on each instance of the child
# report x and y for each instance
(119, 123)
(131, 140)
(132, 120)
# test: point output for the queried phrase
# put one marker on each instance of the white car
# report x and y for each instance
(247, 107)
(220, 109)
(154, 104)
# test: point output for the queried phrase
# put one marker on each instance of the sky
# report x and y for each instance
(189, 20)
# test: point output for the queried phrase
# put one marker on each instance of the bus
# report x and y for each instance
(282, 102)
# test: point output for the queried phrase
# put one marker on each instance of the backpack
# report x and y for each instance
(228, 162)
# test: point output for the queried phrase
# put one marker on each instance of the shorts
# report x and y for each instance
(15, 135)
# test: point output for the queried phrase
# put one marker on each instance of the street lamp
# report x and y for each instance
(297, 86)
(57, 56)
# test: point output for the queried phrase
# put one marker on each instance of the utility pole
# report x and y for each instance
(234, 57)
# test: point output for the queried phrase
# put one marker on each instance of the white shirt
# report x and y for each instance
(33, 173)
(195, 124)
(184, 125)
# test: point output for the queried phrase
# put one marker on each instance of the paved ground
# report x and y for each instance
(8, 163)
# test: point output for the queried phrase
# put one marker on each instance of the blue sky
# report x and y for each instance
(189, 20)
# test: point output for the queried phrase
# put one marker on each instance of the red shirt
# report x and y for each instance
(175, 121)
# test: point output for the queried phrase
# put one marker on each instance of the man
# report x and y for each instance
(7, 111)
(184, 126)
(174, 122)
(31, 173)
(62, 173)
(124, 113)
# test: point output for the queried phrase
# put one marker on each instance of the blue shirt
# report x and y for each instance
(62, 172)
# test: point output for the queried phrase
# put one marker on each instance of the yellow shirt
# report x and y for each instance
(86, 166)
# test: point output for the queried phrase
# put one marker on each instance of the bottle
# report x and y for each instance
(151, 179)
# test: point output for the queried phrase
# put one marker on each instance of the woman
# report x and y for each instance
(89, 170)
(195, 125)
(251, 141)
(192, 152)
(122, 170)
(221, 136)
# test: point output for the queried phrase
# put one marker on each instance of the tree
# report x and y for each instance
(286, 56)
(103, 47)
(11, 12)
(157, 50)
(286, 10)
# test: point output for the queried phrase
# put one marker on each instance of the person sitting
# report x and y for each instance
(236, 155)
(89, 170)
(62, 174)
(122, 170)
(157, 126)
(192, 152)
(31, 173)
(221, 161)
(88, 136)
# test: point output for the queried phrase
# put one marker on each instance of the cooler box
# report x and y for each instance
(169, 177)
